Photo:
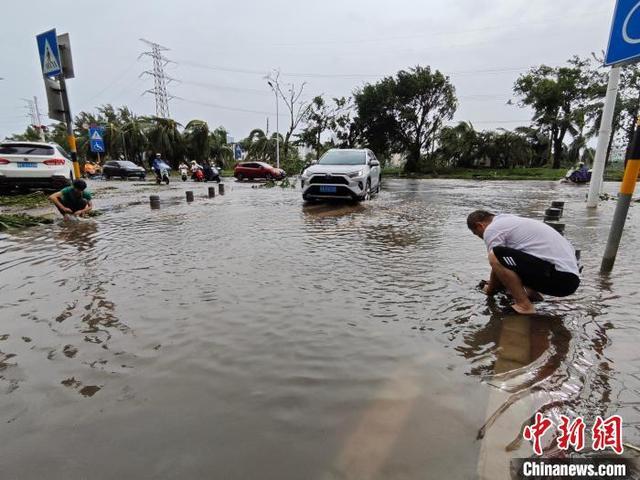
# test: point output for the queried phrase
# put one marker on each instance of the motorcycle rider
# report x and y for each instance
(157, 165)
(194, 169)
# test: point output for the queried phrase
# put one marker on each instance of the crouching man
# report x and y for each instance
(527, 257)
(73, 200)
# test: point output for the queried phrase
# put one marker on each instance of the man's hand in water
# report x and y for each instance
(67, 210)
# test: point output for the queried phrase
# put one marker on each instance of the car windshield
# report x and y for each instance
(128, 164)
(343, 157)
(25, 149)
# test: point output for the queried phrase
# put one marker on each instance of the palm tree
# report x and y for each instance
(165, 138)
(134, 138)
(219, 149)
(196, 136)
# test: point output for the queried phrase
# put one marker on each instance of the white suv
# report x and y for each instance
(34, 164)
(345, 174)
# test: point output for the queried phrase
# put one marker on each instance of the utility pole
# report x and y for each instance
(275, 91)
(604, 137)
(160, 79)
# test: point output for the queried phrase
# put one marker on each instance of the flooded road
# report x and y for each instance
(250, 336)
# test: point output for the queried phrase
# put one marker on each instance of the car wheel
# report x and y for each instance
(379, 184)
(107, 177)
(240, 177)
(367, 192)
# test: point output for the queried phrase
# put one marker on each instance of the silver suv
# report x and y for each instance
(353, 174)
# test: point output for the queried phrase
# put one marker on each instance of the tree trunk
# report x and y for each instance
(413, 160)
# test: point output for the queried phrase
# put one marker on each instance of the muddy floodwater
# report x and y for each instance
(253, 337)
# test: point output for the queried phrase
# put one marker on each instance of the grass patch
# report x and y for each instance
(31, 200)
(21, 220)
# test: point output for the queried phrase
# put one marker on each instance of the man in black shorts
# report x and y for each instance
(527, 257)
(73, 200)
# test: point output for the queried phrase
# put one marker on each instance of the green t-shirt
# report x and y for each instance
(69, 197)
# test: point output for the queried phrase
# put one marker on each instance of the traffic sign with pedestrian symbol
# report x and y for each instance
(96, 140)
(49, 53)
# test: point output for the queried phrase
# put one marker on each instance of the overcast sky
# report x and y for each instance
(223, 49)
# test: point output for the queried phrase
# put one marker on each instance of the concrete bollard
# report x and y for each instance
(578, 254)
(154, 201)
(559, 205)
(558, 227)
(189, 196)
(553, 213)
(212, 192)
(221, 188)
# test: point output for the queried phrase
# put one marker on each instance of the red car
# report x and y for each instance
(252, 170)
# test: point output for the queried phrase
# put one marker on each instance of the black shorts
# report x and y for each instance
(75, 206)
(536, 273)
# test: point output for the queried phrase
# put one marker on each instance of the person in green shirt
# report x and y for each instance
(73, 200)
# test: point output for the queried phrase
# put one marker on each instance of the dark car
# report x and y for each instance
(123, 169)
(253, 170)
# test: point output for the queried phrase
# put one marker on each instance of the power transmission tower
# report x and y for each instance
(160, 79)
(34, 115)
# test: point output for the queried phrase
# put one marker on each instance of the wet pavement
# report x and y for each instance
(252, 336)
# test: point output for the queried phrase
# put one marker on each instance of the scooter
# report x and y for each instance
(577, 176)
(163, 174)
(211, 174)
(184, 173)
(198, 175)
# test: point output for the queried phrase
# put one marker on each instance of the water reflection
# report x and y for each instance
(341, 340)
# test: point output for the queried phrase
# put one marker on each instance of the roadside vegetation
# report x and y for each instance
(10, 221)
(406, 119)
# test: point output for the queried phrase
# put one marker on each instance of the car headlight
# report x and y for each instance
(359, 173)
(306, 174)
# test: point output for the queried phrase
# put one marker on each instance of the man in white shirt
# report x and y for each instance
(527, 257)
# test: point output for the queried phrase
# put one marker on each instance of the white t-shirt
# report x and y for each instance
(532, 237)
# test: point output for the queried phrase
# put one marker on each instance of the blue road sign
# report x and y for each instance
(95, 139)
(624, 41)
(49, 53)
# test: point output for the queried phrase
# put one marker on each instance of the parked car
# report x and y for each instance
(353, 174)
(34, 165)
(123, 169)
(253, 170)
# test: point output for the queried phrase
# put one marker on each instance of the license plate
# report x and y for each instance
(27, 165)
(327, 189)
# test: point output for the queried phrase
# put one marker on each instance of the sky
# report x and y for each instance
(223, 50)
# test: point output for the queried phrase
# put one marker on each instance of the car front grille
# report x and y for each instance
(328, 180)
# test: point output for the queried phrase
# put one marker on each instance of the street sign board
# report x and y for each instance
(64, 45)
(237, 152)
(54, 99)
(624, 40)
(49, 53)
(95, 139)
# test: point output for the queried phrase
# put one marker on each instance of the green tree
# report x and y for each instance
(219, 149)
(320, 119)
(405, 113)
(458, 146)
(560, 98)
(196, 137)
(165, 138)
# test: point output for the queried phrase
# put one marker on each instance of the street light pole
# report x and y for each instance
(275, 91)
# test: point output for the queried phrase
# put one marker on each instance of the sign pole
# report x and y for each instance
(604, 136)
(624, 200)
(71, 139)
